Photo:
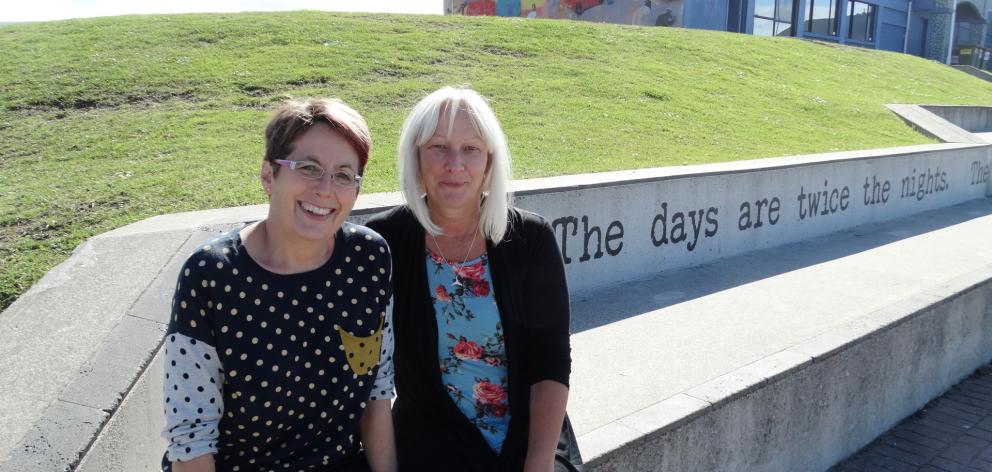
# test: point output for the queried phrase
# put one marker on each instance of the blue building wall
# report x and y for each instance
(705, 14)
(892, 26)
(919, 27)
(917, 36)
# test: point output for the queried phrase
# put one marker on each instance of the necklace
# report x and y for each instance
(455, 266)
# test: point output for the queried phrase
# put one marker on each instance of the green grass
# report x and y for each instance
(108, 121)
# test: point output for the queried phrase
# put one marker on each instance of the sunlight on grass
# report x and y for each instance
(104, 122)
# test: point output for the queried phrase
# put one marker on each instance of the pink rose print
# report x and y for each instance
(498, 411)
(442, 294)
(470, 272)
(471, 275)
(489, 393)
(467, 350)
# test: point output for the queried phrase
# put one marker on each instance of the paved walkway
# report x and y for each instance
(950, 434)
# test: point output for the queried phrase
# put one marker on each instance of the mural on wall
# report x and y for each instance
(628, 12)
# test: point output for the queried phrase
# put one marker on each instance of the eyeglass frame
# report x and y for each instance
(294, 164)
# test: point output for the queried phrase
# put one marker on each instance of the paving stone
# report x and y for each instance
(877, 461)
(981, 464)
(979, 390)
(900, 454)
(946, 465)
(954, 411)
(971, 400)
(980, 434)
(961, 452)
(977, 443)
(913, 447)
(950, 434)
(985, 424)
(939, 424)
(953, 402)
(919, 439)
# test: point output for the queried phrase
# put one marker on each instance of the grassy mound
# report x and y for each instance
(107, 121)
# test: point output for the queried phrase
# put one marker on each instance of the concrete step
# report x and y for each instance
(789, 358)
(784, 359)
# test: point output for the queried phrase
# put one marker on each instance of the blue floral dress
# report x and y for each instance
(471, 348)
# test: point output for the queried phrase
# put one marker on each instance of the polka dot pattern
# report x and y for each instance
(256, 366)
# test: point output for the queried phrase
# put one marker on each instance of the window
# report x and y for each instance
(773, 17)
(860, 21)
(822, 17)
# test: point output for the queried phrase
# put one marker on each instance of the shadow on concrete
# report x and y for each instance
(618, 302)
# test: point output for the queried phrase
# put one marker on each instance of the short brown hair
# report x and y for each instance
(294, 117)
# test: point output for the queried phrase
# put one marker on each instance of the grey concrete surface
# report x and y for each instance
(975, 72)
(951, 433)
(128, 442)
(973, 119)
(57, 440)
(50, 333)
(787, 368)
(662, 349)
(697, 359)
(937, 127)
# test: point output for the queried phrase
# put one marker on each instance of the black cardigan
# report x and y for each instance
(532, 298)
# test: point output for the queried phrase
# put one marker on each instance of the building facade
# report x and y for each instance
(949, 31)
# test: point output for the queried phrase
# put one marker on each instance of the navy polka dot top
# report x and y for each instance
(272, 372)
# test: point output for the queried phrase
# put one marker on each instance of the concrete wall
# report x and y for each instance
(814, 404)
(632, 224)
(612, 227)
(974, 119)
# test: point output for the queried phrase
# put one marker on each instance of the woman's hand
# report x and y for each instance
(204, 463)
(547, 413)
(376, 429)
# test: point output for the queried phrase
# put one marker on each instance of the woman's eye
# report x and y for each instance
(310, 170)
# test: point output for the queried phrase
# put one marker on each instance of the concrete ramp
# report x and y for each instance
(930, 124)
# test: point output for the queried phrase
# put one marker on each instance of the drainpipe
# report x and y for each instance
(950, 42)
(905, 37)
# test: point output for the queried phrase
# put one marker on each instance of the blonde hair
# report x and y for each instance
(420, 126)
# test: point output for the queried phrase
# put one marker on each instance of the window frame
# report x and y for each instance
(833, 18)
(870, 21)
(774, 18)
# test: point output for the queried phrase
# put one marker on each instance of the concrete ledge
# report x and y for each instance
(930, 124)
(974, 119)
(973, 71)
(81, 388)
(759, 391)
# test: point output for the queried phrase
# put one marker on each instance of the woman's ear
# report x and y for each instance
(266, 177)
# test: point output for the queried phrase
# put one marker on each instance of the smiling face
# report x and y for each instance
(300, 208)
(453, 165)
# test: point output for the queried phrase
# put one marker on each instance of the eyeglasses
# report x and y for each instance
(313, 171)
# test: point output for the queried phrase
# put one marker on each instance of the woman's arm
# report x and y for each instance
(376, 426)
(376, 429)
(547, 413)
(194, 402)
(549, 350)
(203, 463)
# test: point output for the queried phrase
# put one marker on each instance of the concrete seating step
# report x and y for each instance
(712, 368)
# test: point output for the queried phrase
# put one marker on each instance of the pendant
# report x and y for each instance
(454, 271)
